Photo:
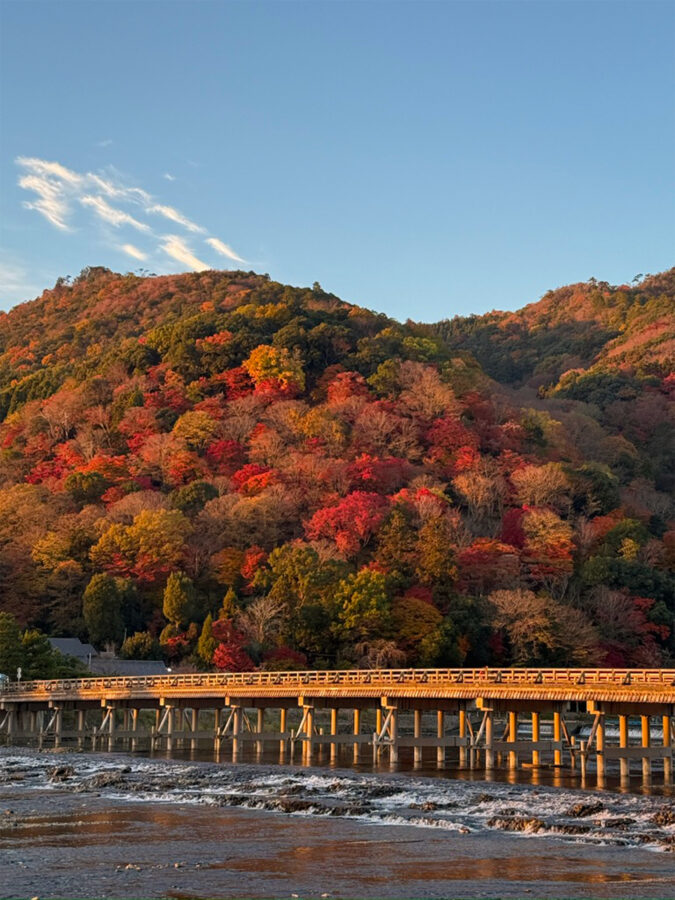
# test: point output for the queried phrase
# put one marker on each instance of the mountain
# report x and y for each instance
(233, 472)
(574, 333)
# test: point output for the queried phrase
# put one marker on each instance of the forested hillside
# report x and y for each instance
(235, 473)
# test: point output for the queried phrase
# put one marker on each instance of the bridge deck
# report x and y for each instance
(636, 686)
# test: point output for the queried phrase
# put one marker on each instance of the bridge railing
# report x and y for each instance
(382, 678)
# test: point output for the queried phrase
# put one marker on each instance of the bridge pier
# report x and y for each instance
(334, 718)
(667, 744)
(282, 728)
(536, 759)
(600, 750)
(646, 743)
(58, 726)
(357, 732)
(624, 761)
(557, 737)
(237, 723)
(417, 734)
(489, 751)
(134, 729)
(462, 736)
(81, 715)
(513, 739)
(440, 733)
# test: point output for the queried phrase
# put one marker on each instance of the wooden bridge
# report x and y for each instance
(486, 717)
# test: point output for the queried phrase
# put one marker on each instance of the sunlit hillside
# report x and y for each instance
(232, 472)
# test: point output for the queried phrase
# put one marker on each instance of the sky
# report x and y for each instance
(424, 159)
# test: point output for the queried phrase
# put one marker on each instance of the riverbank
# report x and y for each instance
(98, 825)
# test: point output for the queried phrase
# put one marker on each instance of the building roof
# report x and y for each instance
(100, 666)
(73, 647)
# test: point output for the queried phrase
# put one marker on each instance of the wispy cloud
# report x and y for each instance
(61, 195)
(51, 201)
(106, 143)
(134, 251)
(224, 249)
(178, 249)
(170, 213)
(169, 176)
(112, 215)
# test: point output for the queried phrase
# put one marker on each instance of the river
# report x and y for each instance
(120, 825)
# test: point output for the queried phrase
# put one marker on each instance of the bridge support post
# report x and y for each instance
(667, 758)
(58, 726)
(393, 753)
(10, 725)
(308, 743)
(624, 761)
(194, 728)
(172, 723)
(260, 724)
(489, 752)
(40, 718)
(237, 722)
(216, 731)
(646, 743)
(513, 738)
(134, 729)
(600, 750)
(417, 731)
(155, 740)
(111, 728)
(557, 737)
(462, 736)
(80, 729)
(334, 713)
(357, 732)
(282, 728)
(393, 734)
(125, 726)
(535, 739)
(440, 733)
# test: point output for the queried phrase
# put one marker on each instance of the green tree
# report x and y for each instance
(206, 643)
(11, 648)
(229, 608)
(140, 645)
(102, 608)
(396, 545)
(436, 565)
(364, 605)
(86, 487)
(38, 656)
(179, 599)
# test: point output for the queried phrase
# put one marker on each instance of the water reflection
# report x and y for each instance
(544, 776)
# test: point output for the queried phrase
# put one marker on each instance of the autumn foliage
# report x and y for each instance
(244, 474)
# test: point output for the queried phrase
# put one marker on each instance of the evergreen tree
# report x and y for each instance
(102, 608)
(39, 659)
(11, 649)
(207, 643)
(179, 599)
(229, 607)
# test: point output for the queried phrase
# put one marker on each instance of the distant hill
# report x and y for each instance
(234, 473)
(582, 329)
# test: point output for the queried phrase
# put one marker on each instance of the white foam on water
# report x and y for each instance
(447, 804)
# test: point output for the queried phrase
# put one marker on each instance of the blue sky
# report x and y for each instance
(424, 159)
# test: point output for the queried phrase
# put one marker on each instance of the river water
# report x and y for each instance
(121, 825)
